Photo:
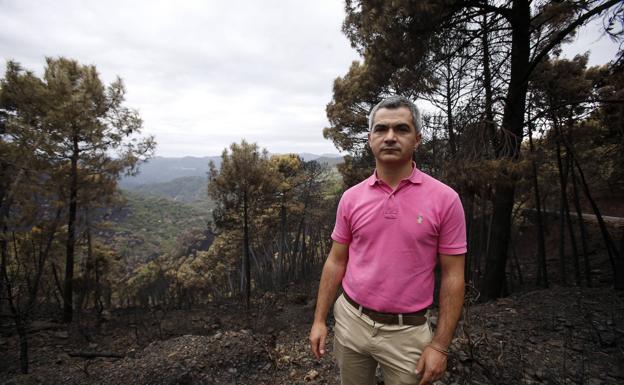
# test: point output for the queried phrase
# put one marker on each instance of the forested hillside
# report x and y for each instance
(145, 226)
(186, 189)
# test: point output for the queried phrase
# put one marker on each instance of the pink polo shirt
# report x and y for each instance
(394, 239)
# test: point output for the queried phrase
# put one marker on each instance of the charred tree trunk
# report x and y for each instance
(542, 270)
(246, 276)
(575, 257)
(582, 227)
(509, 149)
(487, 85)
(615, 258)
(68, 291)
(469, 217)
(23, 344)
(564, 211)
(282, 249)
(449, 109)
(3, 264)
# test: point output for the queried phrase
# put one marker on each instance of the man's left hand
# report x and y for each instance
(431, 366)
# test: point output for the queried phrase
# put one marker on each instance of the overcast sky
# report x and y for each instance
(204, 74)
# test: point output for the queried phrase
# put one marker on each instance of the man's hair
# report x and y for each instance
(394, 102)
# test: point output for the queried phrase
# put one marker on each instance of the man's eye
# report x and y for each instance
(380, 128)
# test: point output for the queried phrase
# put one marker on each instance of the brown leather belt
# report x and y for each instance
(416, 318)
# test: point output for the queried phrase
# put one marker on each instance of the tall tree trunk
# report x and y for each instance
(449, 109)
(68, 291)
(23, 344)
(433, 150)
(582, 227)
(304, 252)
(3, 264)
(482, 240)
(496, 261)
(282, 250)
(575, 257)
(513, 124)
(577, 207)
(563, 204)
(246, 264)
(615, 258)
(487, 85)
(542, 271)
(469, 216)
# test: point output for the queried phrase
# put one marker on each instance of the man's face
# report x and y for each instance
(393, 137)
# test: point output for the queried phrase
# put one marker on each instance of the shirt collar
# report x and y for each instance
(415, 177)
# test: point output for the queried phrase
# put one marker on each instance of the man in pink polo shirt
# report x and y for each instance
(391, 231)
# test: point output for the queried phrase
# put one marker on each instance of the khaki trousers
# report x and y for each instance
(361, 343)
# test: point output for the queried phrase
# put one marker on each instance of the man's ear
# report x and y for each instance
(418, 141)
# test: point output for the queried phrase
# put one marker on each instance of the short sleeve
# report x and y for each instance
(342, 228)
(452, 240)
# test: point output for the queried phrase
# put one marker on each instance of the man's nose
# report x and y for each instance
(390, 136)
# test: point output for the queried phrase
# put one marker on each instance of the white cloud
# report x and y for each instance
(203, 74)
(591, 38)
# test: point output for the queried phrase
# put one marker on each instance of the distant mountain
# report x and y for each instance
(308, 157)
(160, 169)
(330, 160)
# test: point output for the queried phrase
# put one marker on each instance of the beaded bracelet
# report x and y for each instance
(438, 349)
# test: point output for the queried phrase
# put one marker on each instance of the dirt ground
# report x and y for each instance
(554, 336)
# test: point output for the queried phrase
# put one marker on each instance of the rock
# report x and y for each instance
(218, 336)
(539, 374)
(311, 375)
(555, 343)
(267, 366)
(462, 356)
(61, 334)
(232, 370)
(44, 325)
(608, 340)
(106, 315)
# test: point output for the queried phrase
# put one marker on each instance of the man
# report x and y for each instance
(391, 230)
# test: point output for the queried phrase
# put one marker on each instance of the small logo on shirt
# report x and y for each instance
(419, 219)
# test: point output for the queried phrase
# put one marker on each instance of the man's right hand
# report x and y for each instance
(318, 334)
(333, 271)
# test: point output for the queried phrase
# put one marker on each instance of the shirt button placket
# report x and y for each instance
(390, 207)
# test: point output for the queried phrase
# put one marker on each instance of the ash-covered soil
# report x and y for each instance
(553, 336)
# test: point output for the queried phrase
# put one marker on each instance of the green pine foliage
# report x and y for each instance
(146, 227)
